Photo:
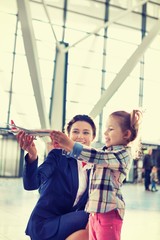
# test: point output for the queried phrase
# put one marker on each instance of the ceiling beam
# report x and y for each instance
(125, 71)
(32, 59)
(108, 23)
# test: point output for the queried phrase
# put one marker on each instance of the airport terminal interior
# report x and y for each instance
(60, 58)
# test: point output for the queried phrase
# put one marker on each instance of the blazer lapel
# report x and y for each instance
(75, 178)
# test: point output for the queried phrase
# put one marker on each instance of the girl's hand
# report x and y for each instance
(54, 144)
(62, 140)
(26, 143)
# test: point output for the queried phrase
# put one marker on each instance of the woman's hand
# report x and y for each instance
(62, 140)
(26, 143)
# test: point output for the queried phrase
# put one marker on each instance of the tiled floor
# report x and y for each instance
(142, 219)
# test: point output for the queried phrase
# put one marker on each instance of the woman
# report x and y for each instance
(62, 184)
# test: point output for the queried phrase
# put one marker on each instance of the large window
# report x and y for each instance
(94, 60)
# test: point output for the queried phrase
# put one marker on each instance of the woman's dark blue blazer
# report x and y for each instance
(54, 216)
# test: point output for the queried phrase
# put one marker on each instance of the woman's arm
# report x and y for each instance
(26, 142)
(34, 176)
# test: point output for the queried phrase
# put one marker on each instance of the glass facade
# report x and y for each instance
(101, 38)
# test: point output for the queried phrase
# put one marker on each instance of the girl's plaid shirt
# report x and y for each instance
(110, 168)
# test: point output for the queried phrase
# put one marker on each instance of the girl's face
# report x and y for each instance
(82, 132)
(114, 134)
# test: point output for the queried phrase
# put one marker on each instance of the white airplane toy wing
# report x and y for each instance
(33, 132)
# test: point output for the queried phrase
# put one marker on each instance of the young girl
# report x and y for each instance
(154, 179)
(105, 204)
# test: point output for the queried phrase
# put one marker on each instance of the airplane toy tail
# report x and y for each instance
(14, 128)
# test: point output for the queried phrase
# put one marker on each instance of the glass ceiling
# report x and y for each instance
(101, 37)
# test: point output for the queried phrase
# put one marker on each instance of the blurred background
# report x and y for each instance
(60, 58)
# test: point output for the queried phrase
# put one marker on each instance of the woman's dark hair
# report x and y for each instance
(83, 118)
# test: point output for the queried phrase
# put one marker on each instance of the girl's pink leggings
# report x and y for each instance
(105, 226)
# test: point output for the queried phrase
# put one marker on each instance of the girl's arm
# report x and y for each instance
(117, 159)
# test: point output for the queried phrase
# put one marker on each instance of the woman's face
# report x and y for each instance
(82, 132)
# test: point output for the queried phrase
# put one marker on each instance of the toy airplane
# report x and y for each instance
(13, 128)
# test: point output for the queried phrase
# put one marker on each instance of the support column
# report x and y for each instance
(58, 99)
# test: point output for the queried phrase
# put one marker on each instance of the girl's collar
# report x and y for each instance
(116, 147)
